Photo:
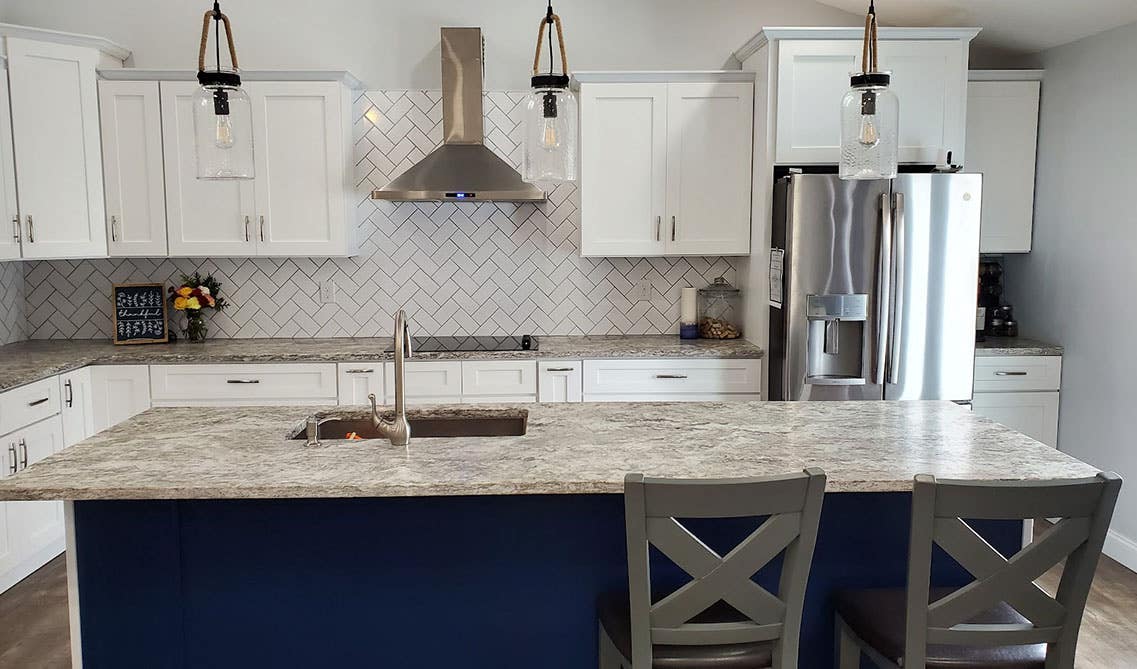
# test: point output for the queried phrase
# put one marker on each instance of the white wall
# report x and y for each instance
(1076, 285)
(393, 44)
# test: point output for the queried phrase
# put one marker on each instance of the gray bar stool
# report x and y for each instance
(1001, 619)
(720, 618)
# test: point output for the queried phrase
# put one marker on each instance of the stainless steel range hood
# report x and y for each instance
(462, 168)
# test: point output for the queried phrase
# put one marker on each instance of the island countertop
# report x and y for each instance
(572, 448)
(28, 361)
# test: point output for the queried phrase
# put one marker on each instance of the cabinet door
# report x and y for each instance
(357, 380)
(118, 392)
(32, 525)
(623, 147)
(204, 217)
(301, 186)
(1002, 139)
(559, 381)
(76, 408)
(427, 381)
(10, 228)
(709, 142)
(8, 460)
(499, 381)
(927, 76)
(1033, 414)
(55, 121)
(130, 118)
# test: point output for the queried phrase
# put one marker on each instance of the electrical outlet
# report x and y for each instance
(328, 292)
(641, 292)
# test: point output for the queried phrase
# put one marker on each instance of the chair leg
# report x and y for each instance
(848, 651)
(610, 656)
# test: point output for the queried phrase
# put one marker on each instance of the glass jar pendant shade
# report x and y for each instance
(870, 117)
(550, 144)
(222, 112)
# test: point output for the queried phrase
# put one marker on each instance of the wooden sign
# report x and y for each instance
(140, 313)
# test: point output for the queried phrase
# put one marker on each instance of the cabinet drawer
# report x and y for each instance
(1017, 373)
(671, 377)
(484, 379)
(433, 380)
(235, 385)
(1035, 414)
(27, 404)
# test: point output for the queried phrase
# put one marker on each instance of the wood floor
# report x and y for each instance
(33, 619)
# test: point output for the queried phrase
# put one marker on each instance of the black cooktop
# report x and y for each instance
(474, 343)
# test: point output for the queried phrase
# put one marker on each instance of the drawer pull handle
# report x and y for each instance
(358, 371)
(670, 376)
(12, 467)
(36, 403)
(1002, 373)
(560, 369)
(70, 393)
(242, 380)
(24, 456)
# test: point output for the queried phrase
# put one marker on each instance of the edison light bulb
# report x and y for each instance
(223, 138)
(868, 135)
(550, 139)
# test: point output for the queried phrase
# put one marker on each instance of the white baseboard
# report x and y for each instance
(1121, 548)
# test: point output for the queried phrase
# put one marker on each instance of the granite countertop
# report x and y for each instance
(28, 361)
(569, 448)
(995, 346)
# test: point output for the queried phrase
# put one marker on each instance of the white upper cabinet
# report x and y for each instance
(301, 147)
(55, 122)
(131, 123)
(665, 164)
(298, 204)
(623, 162)
(929, 74)
(204, 217)
(10, 228)
(708, 167)
(1002, 139)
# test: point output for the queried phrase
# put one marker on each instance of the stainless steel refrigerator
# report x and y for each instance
(873, 287)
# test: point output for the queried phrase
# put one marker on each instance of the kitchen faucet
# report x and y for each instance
(398, 430)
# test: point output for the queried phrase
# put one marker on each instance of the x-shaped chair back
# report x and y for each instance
(793, 506)
(939, 508)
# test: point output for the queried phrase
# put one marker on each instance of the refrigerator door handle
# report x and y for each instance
(898, 270)
(883, 288)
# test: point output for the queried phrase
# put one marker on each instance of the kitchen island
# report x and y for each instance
(210, 537)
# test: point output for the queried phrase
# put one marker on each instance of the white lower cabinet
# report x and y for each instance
(499, 381)
(77, 411)
(243, 384)
(357, 380)
(1020, 392)
(671, 380)
(427, 381)
(31, 533)
(118, 392)
(560, 381)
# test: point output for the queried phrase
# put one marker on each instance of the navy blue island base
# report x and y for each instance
(480, 581)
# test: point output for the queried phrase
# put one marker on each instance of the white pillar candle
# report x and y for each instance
(687, 305)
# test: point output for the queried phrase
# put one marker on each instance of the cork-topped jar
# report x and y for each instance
(720, 308)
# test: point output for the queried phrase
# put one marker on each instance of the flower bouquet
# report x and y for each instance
(194, 295)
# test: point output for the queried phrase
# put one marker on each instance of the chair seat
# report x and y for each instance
(615, 617)
(878, 616)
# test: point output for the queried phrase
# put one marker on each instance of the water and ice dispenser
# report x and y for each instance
(836, 340)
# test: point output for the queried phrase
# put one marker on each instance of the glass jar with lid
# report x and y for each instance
(720, 310)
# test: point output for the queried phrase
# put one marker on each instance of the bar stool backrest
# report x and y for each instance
(652, 507)
(939, 513)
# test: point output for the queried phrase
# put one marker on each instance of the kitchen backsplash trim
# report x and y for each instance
(458, 268)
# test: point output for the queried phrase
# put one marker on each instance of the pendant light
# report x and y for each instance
(870, 116)
(222, 113)
(550, 116)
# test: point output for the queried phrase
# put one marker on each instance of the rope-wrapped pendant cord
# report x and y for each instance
(556, 20)
(209, 16)
(869, 49)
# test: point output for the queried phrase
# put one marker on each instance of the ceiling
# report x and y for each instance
(1024, 26)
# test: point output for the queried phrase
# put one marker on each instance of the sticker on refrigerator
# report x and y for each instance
(777, 261)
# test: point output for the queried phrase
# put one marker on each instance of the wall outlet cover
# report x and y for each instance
(328, 292)
(641, 291)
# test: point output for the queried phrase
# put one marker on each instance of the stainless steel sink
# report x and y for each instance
(424, 424)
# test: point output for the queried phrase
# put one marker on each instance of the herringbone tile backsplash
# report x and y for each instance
(485, 268)
(13, 323)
